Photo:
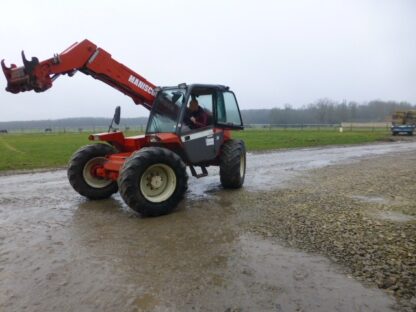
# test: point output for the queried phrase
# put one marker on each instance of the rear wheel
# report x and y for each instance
(153, 181)
(81, 171)
(233, 164)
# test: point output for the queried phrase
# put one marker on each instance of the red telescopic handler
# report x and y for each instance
(148, 170)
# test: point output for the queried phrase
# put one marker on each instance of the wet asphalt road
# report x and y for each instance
(61, 252)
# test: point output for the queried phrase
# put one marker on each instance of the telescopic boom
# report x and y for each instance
(87, 58)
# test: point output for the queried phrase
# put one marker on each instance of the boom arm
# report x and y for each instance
(88, 59)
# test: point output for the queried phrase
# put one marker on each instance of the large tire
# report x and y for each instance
(80, 172)
(233, 164)
(153, 181)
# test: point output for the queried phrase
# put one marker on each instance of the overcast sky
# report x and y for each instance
(271, 53)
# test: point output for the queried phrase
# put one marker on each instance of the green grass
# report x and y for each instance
(260, 140)
(30, 151)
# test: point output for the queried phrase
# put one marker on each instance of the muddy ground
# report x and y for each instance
(319, 229)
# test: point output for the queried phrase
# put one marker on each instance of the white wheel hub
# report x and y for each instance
(158, 183)
(89, 176)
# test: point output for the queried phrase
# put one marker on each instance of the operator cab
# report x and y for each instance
(198, 114)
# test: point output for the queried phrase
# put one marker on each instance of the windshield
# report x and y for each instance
(165, 114)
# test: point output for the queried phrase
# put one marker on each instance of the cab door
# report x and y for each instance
(227, 111)
(199, 142)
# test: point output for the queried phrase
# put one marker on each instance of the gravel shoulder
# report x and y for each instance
(360, 215)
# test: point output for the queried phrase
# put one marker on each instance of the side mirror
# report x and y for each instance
(117, 115)
(116, 118)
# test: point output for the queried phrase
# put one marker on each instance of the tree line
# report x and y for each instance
(327, 111)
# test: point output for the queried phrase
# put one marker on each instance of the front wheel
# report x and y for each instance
(233, 164)
(81, 171)
(153, 181)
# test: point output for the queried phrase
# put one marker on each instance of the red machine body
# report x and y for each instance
(126, 146)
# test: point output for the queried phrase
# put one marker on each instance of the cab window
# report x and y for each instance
(165, 112)
(227, 110)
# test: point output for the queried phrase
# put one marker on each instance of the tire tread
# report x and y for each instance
(230, 164)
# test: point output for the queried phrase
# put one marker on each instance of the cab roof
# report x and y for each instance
(197, 86)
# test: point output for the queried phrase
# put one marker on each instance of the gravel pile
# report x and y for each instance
(361, 215)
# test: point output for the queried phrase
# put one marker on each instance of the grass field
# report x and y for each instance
(261, 140)
(30, 151)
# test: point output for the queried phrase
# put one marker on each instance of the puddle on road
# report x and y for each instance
(371, 199)
(101, 256)
(295, 280)
(391, 216)
(386, 215)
